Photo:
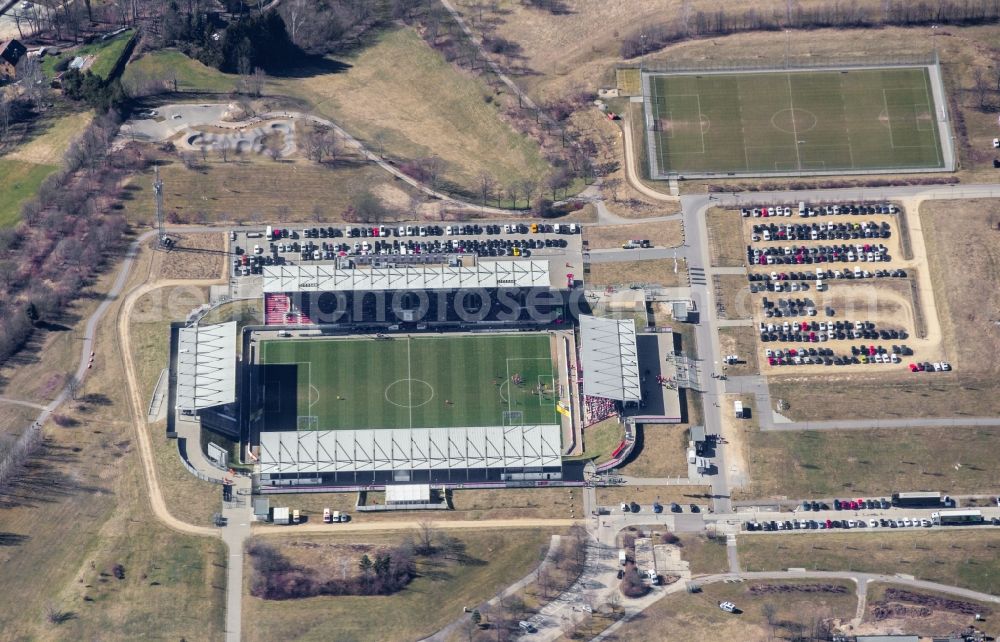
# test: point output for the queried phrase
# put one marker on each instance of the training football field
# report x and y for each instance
(424, 382)
(773, 122)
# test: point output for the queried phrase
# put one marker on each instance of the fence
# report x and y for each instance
(780, 64)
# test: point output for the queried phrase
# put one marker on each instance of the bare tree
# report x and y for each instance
(513, 191)
(486, 186)
(256, 82)
(317, 212)
(433, 165)
(426, 534)
(544, 580)
(613, 185)
(981, 87)
(529, 187)
(379, 139)
(224, 147)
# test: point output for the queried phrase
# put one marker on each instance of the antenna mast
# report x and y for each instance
(164, 241)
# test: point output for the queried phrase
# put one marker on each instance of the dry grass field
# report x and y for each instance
(579, 47)
(258, 190)
(659, 452)
(704, 555)
(929, 612)
(966, 558)
(828, 463)
(725, 237)
(432, 600)
(80, 510)
(195, 256)
(421, 105)
(741, 341)
(663, 234)
(798, 606)
(38, 373)
(732, 296)
(622, 274)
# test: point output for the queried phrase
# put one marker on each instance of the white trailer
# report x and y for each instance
(281, 516)
(738, 408)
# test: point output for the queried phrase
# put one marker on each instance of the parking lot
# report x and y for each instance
(832, 285)
(252, 250)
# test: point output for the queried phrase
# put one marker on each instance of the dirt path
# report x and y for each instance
(137, 409)
(630, 170)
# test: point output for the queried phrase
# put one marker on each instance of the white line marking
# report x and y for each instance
(409, 382)
(888, 118)
(795, 131)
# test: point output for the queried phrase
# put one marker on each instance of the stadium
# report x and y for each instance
(416, 374)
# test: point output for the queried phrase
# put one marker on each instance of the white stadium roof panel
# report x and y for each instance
(206, 366)
(328, 278)
(416, 449)
(610, 359)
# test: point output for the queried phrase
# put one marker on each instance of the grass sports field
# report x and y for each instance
(859, 119)
(425, 382)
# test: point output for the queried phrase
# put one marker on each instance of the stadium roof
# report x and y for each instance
(206, 366)
(610, 359)
(313, 451)
(329, 278)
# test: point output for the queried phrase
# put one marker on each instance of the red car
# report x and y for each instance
(829, 523)
(913, 368)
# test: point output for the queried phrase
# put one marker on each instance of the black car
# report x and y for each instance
(635, 507)
(675, 507)
(836, 504)
(815, 505)
(695, 509)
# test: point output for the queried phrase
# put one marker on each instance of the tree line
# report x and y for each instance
(901, 13)
(65, 235)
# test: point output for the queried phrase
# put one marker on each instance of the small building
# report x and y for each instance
(281, 516)
(401, 494)
(11, 53)
(679, 310)
(697, 433)
(261, 509)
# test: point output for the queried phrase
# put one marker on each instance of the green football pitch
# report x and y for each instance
(813, 121)
(425, 382)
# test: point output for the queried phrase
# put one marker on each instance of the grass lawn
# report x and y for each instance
(257, 189)
(600, 440)
(792, 121)
(705, 556)
(725, 237)
(697, 617)
(966, 558)
(659, 452)
(626, 273)
(824, 463)
(408, 383)
(105, 52)
(404, 91)
(432, 600)
(169, 65)
(19, 180)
